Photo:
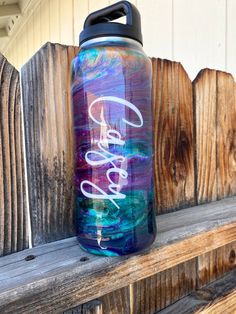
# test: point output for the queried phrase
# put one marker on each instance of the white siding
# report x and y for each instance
(231, 37)
(199, 33)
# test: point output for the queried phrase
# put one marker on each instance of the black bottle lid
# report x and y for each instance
(98, 24)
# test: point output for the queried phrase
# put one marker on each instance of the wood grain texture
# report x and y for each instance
(204, 91)
(212, 265)
(173, 136)
(216, 298)
(154, 293)
(215, 115)
(92, 307)
(117, 301)
(13, 209)
(226, 135)
(50, 285)
(49, 144)
(157, 292)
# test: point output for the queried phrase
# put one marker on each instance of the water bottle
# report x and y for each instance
(113, 135)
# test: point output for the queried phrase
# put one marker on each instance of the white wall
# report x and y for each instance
(199, 33)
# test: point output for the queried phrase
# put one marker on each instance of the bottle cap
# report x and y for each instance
(99, 23)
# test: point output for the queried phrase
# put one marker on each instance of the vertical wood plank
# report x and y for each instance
(92, 307)
(215, 264)
(226, 135)
(216, 298)
(157, 292)
(215, 113)
(204, 90)
(13, 211)
(116, 302)
(47, 113)
(173, 136)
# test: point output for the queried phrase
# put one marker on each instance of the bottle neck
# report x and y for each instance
(112, 40)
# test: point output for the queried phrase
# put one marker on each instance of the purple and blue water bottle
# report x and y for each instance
(112, 113)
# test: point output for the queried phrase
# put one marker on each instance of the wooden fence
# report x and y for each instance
(195, 163)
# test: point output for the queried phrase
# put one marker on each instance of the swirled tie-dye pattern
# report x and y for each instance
(112, 115)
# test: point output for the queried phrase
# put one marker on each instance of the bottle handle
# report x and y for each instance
(113, 12)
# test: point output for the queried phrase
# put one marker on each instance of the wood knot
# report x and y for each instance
(180, 164)
(178, 172)
(84, 259)
(30, 258)
(232, 257)
(204, 294)
(231, 138)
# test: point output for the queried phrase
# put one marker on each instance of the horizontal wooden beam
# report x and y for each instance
(59, 275)
(217, 297)
(3, 32)
(9, 10)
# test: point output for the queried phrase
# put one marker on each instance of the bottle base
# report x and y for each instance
(98, 251)
(112, 252)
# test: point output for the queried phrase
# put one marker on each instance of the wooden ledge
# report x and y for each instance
(59, 275)
(218, 297)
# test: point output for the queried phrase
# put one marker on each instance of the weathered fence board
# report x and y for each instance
(204, 91)
(156, 292)
(117, 301)
(218, 297)
(49, 147)
(13, 209)
(173, 135)
(215, 114)
(226, 135)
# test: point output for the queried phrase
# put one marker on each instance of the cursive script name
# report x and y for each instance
(103, 156)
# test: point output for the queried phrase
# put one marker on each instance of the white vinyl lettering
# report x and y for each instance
(117, 100)
(103, 156)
